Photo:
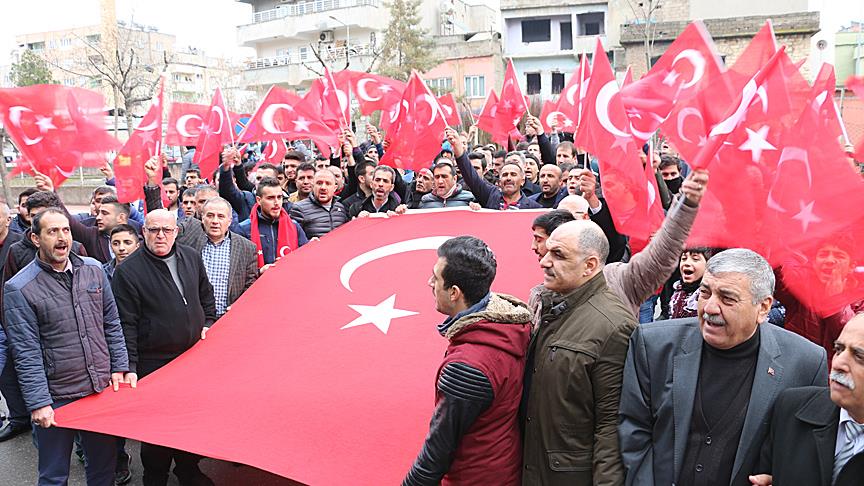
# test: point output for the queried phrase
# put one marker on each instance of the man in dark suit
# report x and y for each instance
(697, 392)
(817, 433)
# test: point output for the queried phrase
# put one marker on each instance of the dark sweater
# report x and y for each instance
(719, 410)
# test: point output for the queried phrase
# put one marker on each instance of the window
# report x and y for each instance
(532, 83)
(591, 23)
(566, 36)
(439, 86)
(65, 42)
(475, 86)
(36, 46)
(536, 30)
(94, 38)
(304, 53)
(557, 83)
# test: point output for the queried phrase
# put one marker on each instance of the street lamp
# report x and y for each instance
(347, 40)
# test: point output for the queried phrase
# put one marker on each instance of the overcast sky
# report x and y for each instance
(207, 24)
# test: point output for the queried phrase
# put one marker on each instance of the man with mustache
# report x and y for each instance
(824, 425)
(697, 392)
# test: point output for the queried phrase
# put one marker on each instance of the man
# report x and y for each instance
(192, 178)
(446, 193)
(670, 170)
(697, 393)
(162, 290)
(422, 185)
(320, 214)
(265, 170)
(565, 153)
(17, 413)
(382, 199)
(817, 434)
(339, 176)
(66, 340)
(507, 195)
(188, 203)
(498, 162)
(291, 161)
(96, 240)
(551, 193)
(171, 188)
(474, 434)
(124, 242)
(575, 359)
(576, 205)
(362, 182)
(305, 176)
(21, 222)
(270, 228)
(231, 262)
(478, 162)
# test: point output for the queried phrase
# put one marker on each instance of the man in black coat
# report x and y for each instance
(166, 305)
(817, 433)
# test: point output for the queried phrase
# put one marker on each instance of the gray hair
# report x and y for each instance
(387, 169)
(161, 213)
(588, 236)
(216, 200)
(748, 263)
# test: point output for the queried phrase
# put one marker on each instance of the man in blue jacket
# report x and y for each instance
(67, 343)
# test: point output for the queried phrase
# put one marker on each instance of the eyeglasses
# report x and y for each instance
(168, 231)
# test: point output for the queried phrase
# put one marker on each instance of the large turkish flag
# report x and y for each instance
(324, 371)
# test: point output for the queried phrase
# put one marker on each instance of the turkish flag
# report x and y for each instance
(571, 100)
(184, 123)
(451, 110)
(604, 132)
(345, 381)
(628, 77)
(330, 102)
(374, 92)
(550, 115)
(57, 129)
(691, 59)
(648, 103)
(274, 153)
(511, 105)
(216, 132)
(415, 137)
(283, 115)
(486, 119)
(145, 142)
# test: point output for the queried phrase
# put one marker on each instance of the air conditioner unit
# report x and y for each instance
(325, 36)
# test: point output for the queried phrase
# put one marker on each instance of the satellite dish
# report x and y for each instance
(822, 44)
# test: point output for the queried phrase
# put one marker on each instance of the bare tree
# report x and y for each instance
(643, 11)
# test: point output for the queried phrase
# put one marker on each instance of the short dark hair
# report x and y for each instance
(548, 222)
(104, 190)
(36, 225)
(522, 146)
(669, 160)
(478, 156)
(529, 155)
(445, 164)
(566, 167)
(567, 146)
(471, 266)
(27, 193)
(360, 168)
(170, 180)
(267, 182)
(500, 154)
(268, 166)
(193, 169)
(124, 208)
(124, 228)
(706, 252)
(305, 167)
(42, 199)
(189, 192)
(294, 155)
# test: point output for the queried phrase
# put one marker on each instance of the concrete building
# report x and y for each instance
(849, 52)
(546, 37)
(469, 68)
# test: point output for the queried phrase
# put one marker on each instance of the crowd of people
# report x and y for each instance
(579, 385)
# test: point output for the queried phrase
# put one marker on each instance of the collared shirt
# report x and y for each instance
(217, 262)
(841, 434)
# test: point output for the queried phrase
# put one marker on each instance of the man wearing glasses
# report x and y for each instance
(166, 305)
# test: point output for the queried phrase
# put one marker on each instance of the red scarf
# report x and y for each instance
(286, 239)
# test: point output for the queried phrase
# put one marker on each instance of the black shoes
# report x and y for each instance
(11, 431)
(123, 473)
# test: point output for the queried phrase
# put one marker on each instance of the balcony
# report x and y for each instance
(289, 70)
(307, 19)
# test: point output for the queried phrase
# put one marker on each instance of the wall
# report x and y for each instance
(714, 9)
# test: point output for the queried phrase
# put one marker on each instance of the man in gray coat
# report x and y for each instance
(67, 343)
(698, 392)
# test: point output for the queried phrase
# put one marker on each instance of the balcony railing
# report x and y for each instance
(309, 7)
(299, 57)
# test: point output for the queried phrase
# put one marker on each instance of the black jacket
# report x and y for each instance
(159, 323)
(366, 205)
(315, 219)
(801, 441)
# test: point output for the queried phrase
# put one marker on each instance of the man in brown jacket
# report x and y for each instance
(575, 364)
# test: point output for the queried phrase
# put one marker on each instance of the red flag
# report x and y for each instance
(551, 114)
(511, 105)
(346, 407)
(486, 120)
(415, 136)
(628, 77)
(144, 143)
(604, 133)
(691, 59)
(275, 152)
(184, 123)
(571, 100)
(216, 132)
(756, 54)
(648, 103)
(283, 115)
(375, 92)
(451, 110)
(326, 98)
(56, 129)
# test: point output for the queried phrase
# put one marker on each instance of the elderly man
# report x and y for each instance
(67, 343)
(478, 384)
(320, 213)
(575, 360)
(163, 293)
(825, 426)
(446, 193)
(697, 392)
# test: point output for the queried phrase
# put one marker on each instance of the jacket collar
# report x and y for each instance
(73, 262)
(819, 410)
(579, 296)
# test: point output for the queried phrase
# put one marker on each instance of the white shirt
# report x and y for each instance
(841, 434)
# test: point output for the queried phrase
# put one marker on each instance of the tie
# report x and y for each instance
(852, 430)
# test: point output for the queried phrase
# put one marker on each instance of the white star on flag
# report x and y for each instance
(45, 123)
(756, 143)
(301, 124)
(378, 315)
(806, 216)
(670, 78)
(384, 88)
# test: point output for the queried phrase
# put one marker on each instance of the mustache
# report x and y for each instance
(712, 319)
(842, 379)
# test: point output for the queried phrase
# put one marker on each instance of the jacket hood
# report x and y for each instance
(504, 324)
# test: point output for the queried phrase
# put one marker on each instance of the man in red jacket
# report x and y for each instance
(474, 434)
